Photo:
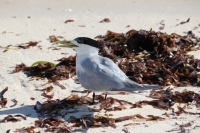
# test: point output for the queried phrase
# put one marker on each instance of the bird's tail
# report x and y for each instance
(131, 86)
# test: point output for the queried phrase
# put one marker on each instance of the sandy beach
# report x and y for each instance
(25, 21)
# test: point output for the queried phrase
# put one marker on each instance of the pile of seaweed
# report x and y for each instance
(147, 57)
(153, 57)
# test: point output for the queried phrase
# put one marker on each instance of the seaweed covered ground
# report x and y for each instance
(147, 57)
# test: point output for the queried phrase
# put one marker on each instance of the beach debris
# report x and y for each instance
(105, 20)
(20, 46)
(50, 96)
(47, 89)
(4, 32)
(53, 48)
(56, 125)
(101, 121)
(168, 98)
(31, 129)
(32, 98)
(53, 124)
(125, 130)
(183, 22)
(42, 62)
(53, 38)
(63, 70)
(60, 85)
(15, 102)
(22, 104)
(27, 45)
(150, 57)
(111, 104)
(162, 25)
(84, 91)
(68, 105)
(182, 110)
(81, 26)
(8, 47)
(61, 40)
(3, 101)
(187, 127)
(69, 20)
(20, 67)
(13, 118)
(60, 107)
(195, 28)
(8, 131)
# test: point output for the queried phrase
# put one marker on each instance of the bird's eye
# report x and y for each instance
(79, 41)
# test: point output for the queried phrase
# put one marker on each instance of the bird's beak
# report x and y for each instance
(73, 43)
(68, 44)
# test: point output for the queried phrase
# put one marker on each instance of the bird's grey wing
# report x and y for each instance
(129, 84)
(114, 68)
(109, 76)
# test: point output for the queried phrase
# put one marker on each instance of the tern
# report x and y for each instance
(101, 74)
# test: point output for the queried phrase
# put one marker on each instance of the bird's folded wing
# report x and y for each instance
(104, 69)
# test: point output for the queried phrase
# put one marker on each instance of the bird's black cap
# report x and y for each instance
(87, 41)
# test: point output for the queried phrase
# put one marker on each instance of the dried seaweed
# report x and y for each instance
(53, 38)
(107, 20)
(183, 22)
(63, 70)
(8, 47)
(147, 57)
(150, 57)
(27, 45)
(27, 129)
(11, 118)
(8, 131)
(127, 26)
(162, 25)
(101, 121)
(3, 101)
(32, 98)
(67, 105)
(42, 62)
(112, 104)
(20, 67)
(47, 89)
(60, 107)
(53, 125)
(15, 102)
(184, 127)
(50, 96)
(167, 98)
(59, 125)
(70, 20)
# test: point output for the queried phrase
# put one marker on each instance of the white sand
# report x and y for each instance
(48, 17)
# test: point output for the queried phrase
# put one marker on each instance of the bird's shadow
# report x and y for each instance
(24, 110)
(28, 110)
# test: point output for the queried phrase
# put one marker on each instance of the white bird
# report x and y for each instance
(101, 74)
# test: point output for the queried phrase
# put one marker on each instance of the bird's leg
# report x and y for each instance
(93, 96)
(105, 96)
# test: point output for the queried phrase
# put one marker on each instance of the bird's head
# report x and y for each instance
(85, 45)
